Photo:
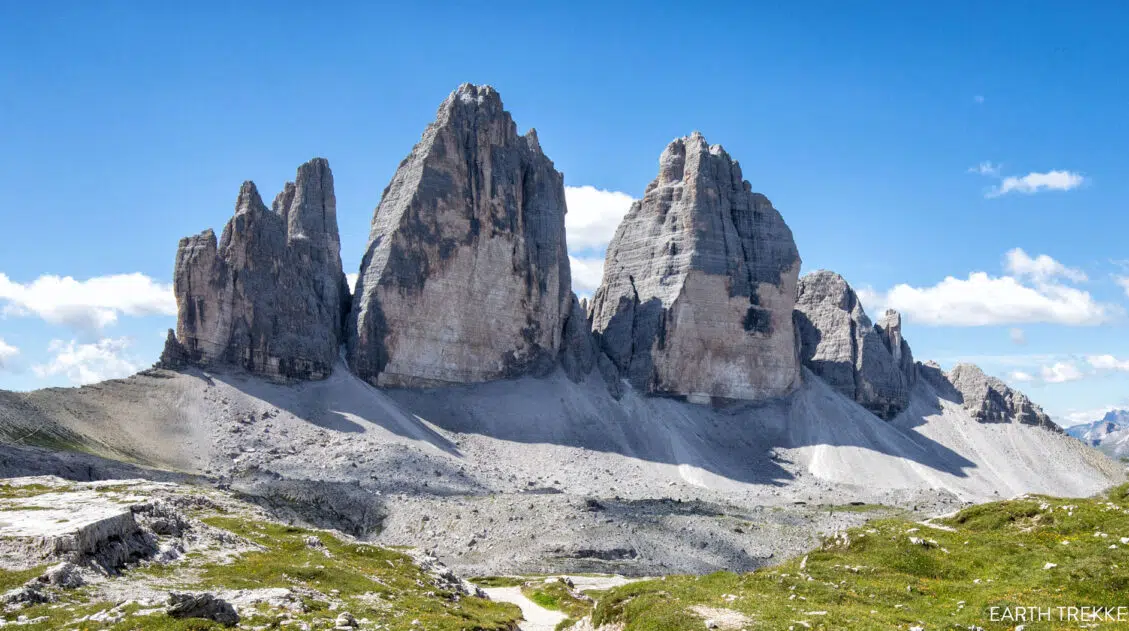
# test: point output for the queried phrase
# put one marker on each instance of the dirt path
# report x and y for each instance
(537, 618)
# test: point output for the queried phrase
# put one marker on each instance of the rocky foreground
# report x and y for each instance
(134, 554)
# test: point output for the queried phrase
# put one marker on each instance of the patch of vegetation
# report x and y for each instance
(381, 585)
(497, 581)
(892, 573)
(558, 596)
(20, 491)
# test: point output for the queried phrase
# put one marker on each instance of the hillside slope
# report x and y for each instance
(472, 457)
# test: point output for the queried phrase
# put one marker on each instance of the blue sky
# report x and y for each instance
(902, 147)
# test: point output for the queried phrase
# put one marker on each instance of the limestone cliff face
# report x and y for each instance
(699, 284)
(466, 275)
(838, 342)
(993, 401)
(270, 296)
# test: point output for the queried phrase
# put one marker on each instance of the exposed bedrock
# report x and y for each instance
(270, 296)
(466, 275)
(990, 400)
(871, 364)
(699, 284)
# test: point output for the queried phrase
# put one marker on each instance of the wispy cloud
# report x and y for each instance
(91, 304)
(1108, 362)
(1019, 375)
(1038, 182)
(7, 352)
(1017, 336)
(1061, 372)
(1033, 182)
(986, 168)
(1041, 268)
(89, 363)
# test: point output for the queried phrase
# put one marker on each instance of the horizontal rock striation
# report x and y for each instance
(270, 296)
(871, 364)
(699, 284)
(466, 276)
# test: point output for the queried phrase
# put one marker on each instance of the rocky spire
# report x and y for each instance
(270, 296)
(839, 344)
(466, 276)
(890, 330)
(699, 284)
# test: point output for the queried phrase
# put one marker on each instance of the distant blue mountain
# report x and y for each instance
(1109, 433)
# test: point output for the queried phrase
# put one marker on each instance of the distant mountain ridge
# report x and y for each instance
(1110, 433)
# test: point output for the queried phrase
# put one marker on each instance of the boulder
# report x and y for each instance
(466, 275)
(206, 606)
(839, 344)
(699, 284)
(270, 296)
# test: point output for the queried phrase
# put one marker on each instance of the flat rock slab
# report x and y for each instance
(51, 523)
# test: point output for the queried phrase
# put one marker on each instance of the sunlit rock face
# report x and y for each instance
(270, 296)
(466, 275)
(699, 284)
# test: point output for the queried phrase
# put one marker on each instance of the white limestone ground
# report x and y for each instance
(544, 475)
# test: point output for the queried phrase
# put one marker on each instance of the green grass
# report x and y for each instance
(875, 577)
(382, 585)
(497, 581)
(557, 596)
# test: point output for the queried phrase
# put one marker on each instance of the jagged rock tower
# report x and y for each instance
(271, 295)
(871, 364)
(699, 284)
(466, 275)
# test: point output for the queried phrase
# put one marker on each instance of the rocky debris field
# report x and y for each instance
(134, 554)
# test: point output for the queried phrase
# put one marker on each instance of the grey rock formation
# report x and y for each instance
(699, 284)
(206, 606)
(890, 330)
(838, 343)
(993, 401)
(174, 356)
(271, 295)
(578, 348)
(466, 275)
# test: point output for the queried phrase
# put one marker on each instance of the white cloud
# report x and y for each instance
(90, 304)
(1108, 362)
(586, 274)
(7, 351)
(1123, 281)
(1019, 375)
(1035, 182)
(1017, 336)
(1042, 268)
(351, 280)
(593, 216)
(986, 168)
(983, 300)
(1061, 372)
(88, 363)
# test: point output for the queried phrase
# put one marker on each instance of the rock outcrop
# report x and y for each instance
(840, 345)
(270, 296)
(993, 401)
(699, 284)
(466, 275)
